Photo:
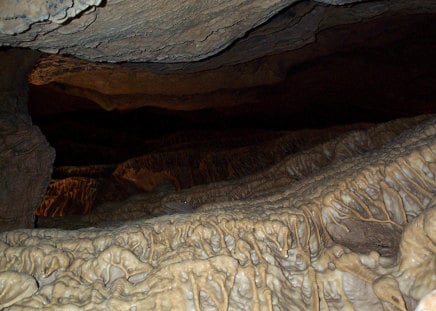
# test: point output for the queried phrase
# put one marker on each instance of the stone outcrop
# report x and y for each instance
(296, 166)
(69, 196)
(192, 164)
(246, 73)
(178, 161)
(283, 248)
(174, 32)
(187, 31)
(26, 158)
(17, 16)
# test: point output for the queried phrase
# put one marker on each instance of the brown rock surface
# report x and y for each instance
(365, 72)
(70, 196)
(295, 167)
(26, 158)
(179, 161)
(196, 164)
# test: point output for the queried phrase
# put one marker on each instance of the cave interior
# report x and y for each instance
(99, 115)
(170, 128)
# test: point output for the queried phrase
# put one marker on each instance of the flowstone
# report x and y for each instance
(282, 250)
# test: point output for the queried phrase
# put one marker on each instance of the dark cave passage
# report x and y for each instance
(175, 126)
(370, 86)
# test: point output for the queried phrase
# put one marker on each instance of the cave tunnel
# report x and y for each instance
(280, 146)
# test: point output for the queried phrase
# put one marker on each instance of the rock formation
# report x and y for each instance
(217, 155)
(26, 159)
(172, 32)
(179, 163)
(345, 237)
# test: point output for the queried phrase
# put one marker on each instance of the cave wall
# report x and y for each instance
(26, 158)
(315, 219)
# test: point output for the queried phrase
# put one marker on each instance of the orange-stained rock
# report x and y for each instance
(180, 161)
(70, 196)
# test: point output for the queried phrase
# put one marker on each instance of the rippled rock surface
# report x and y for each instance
(356, 230)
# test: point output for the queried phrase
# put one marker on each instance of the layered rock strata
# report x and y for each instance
(180, 32)
(313, 156)
(179, 161)
(358, 53)
(291, 247)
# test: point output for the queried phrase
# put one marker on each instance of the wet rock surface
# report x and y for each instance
(273, 250)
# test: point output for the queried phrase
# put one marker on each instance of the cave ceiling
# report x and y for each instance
(217, 55)
(217, 155)
(131, 31)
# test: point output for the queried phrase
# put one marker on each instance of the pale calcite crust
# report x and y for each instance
(14, 287)
(417, 256)
(428, 303)
(280, 251)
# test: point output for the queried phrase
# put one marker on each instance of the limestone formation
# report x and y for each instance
(296, 166)
(191, 30)
(25, 156)
(18, 16)
(193, 164)
(427, 303)
(283, 249)
(73, 195)
(173, 32)
(178, 161)
(140, 215)
(259, 63)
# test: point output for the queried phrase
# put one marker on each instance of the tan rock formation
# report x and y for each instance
(73, 195)
(296, 166)
(178, 161)
(195, 164)
(281, 249)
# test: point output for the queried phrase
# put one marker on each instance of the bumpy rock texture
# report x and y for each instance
(18, 16)
(175, 32)
(285, 247)
(169, 31)
(330, 219)
(178, 161)
(26, 159)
